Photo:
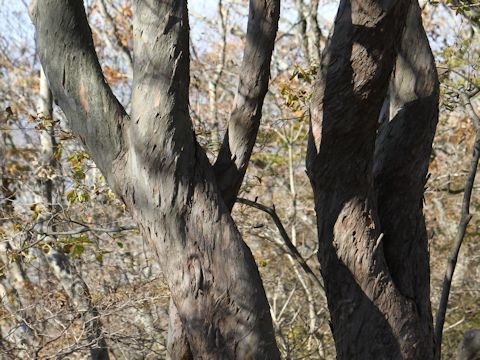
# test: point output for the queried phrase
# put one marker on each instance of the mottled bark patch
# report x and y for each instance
(83, 99)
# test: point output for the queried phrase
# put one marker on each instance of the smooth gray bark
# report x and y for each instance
(376, 312)
(155, 165)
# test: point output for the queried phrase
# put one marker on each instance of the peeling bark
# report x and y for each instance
(155, 165)
(65, 48)
(234, 155)
(177, 342)
(373, 314)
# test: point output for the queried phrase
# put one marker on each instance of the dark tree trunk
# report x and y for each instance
(368, 185)
(234, 155)
(402, 154)
(154, 164)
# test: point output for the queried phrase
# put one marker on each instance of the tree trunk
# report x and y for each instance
(60, 264)
(155, 165)
(243, 125)
(402, 154)
(368, 187)
(178, 347)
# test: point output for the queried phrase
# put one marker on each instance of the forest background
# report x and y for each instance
(96, 236)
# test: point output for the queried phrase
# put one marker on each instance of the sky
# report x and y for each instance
(14, 19)
(17, 32)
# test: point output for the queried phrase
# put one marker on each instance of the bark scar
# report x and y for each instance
(196, 268)
(83, 99)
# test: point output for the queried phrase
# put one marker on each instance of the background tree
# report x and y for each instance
(121, 271)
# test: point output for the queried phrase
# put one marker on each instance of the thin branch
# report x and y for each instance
(84, 229)
(214, 83)
(465, 218)
(464, 77)
(283, 233)
(124, 49)
(468, 9)
(244, 122)
(470, 111)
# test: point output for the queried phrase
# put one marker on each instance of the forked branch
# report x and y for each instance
(292, 250)
(234, 155)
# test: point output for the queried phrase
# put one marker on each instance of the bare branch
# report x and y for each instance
(468, 8)
(470, 111)
(465, 218)
(66, 50)
(283, 233)
(215, 82)
(232, 160)
(123, 49)
(85, 229)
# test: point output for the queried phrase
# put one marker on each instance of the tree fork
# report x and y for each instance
(153, 162)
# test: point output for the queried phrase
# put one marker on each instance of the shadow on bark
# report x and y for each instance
(370, 326)
(154, 164)
(377, 311)
(402, 156)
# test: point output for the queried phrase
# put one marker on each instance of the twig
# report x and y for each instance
(123, 49)
(470, 82)
(473, 115)
(84, 229)
(283, 233)
(459, 322)
(79, 230)
(465, 218)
